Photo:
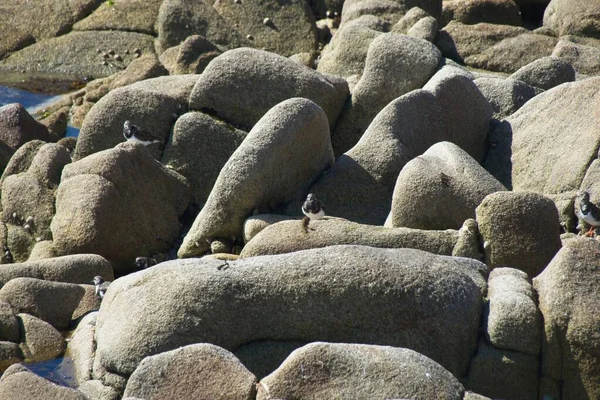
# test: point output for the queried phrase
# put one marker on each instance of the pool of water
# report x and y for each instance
(31, 101)
(59, 370)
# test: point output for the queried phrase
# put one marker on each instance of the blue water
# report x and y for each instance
(32, 102)
(59, 370)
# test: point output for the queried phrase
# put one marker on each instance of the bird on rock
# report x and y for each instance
(101, 286)
(136, 134)
(588, 212)
(312, 209)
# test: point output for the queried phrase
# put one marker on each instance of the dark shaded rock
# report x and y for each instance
(196, 133)
(9, 326)
(17, 127)
(10, 353)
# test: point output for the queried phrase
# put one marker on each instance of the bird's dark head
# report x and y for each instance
(98, 280)
(129, 129)
(584, 196)
(311, 197)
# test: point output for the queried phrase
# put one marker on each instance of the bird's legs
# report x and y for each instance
(591, 232)
(305, 222)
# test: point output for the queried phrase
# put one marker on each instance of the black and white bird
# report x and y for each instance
(588, 212)
(101, 286)
(313, 209)
(136, 134)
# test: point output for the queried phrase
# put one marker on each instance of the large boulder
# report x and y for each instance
(582, 53)
(191, 372)
(501, 12)
(573, 17)
(568, 301)
(346, 52)
(541, 130)
(103, 125)
(40, 340)
(79, 268)
(395, 65)
(53, 302)
(390, 11)
(190, 57)
(194, 134)
(505, 95)
(289, 236)
(9, 325)
(546, 72)
(132, 15)
(18, 382)
(241, 85)
(119, 203)
(24, 20)
(283, 30)
(520, 230)
(340, 370)
(75, 54)
(440, 189)
(449, 107)
(284, 152)
(437, 304)
(178, 19)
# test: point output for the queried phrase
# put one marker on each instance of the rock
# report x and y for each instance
(75, 54)
(503, 374)
(340, 370)
(22, 158)
(284, 152)
(9, 326)
(82, 346)
(288, 30)
(241, 85)
(289, 236)
(265, 356)
(28, 197)
(506, 95)
(41, 341)
(390, 11)
(17, 127)
(20, 383)
(178, 19)
(469, 244)
(502, 48)
(503, 279)
(546, 73)
(79, 268)
(449, 108)
(190, 57)
(573, 17)
(135, 16)
(520, 229)
(142, 68)
(178, 87)
(409, 19)
(584, 58)
(98, 206)
(255, 224)
(20, 31)
(103, 126)
(568, 302)
(57, 122)
(500, 12)
(347, 284)
(195, 371)
(513, 322)
(426, 29)
(95, 389)
(448, 181)
(346, 53)
(10, 353)
(542, 129)
(395, 65)
(41, 250)
(90, 301)
(198, 133)
(52, 302)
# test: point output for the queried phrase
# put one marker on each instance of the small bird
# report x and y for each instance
(144, 262)
(101, 286)
(313, 209)
(134, 133)
(589, 213)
